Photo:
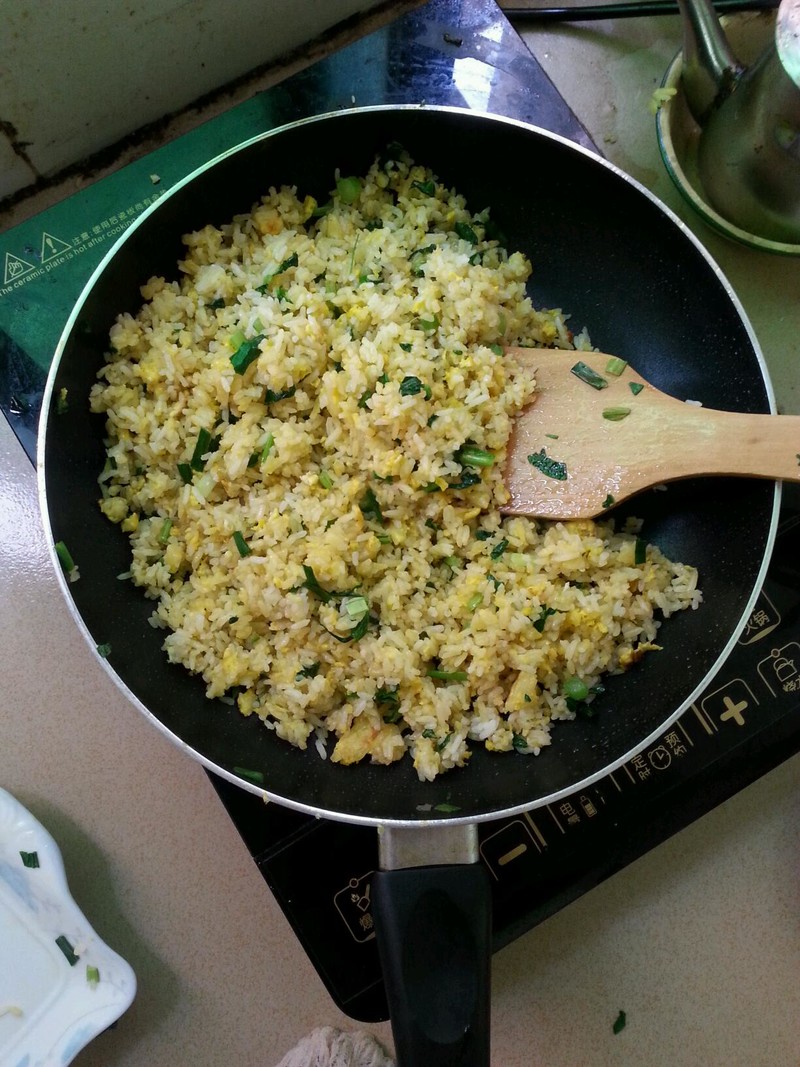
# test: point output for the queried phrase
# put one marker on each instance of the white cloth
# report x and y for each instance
(328, 1047)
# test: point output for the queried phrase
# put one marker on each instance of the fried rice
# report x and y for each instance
(306, 437)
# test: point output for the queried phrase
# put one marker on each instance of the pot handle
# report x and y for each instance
(433, 926)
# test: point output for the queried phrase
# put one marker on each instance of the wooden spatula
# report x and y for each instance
(597, 432)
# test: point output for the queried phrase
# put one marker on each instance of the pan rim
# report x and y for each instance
(448, 819)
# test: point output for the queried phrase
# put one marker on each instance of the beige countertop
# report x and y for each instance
(699, 941)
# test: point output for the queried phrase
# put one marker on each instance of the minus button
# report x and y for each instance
(513, 854)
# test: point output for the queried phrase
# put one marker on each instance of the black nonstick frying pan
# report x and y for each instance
(622, 265)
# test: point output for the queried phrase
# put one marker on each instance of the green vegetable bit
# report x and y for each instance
(325, 480)
(620, 1022)
(575, 689)
(370, 508)
(635, 387)
(241, 545)
(447, 676)
(68, 950)
(246, 353)
(251, 776)
(609, 500)
(474, 601)
(586, 374)
(410, 386)
(466, 232)
(553, 468)
(616, 414)
(541, 619)
(203, 446)
(104, 650)
(470, 455)
(29, 859)
(640, 552)
(92, 975)
(428, 187)
(499, 549)
(185, 471)
(348, 189)
(311, 671)
(616, 366)
(164, 532)
(272, 397)
(356, 606)
(519, 742)
(64, 557)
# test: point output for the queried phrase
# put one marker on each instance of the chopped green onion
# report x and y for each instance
(474, 601)
(313, 586)
(575, 689)
(246, 353)
(616, 414)
(640, 552)
(497, 349)
(104, 650)
(428, 733)
(609, 500)
(237, 339)
(440, 745)
(427, 187)
(272, 397)
(215, 305)
(428, 325)
(586, 374)
(466, 232)
(242, 546)
(552, 436)
(266, 448)
(620, 1022)
(446, 809)
(431, 487)
(370, 508)
(499, 549)
(251, 776)
(349, 189)
(356, 606)
(204, 485)
(553, 468)
(406, 346)
(64, 557)
(483, 535)
(355, 634)
(325, 480)
(472, 456)
(92, 975)
(519, 742)
(311, 671)
(544, 615)
(386, 697)
(635, 387)
(164, 532)
(185, 471)
(453, 562)
(201, 448)
(467, 479)
(29, 859)
(616, 366)
(447, 676)
(384, 538)
(410, 386)
(290, 261)
(67, 949)
(62, 403)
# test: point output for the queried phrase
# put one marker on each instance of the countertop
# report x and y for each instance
(698, 941)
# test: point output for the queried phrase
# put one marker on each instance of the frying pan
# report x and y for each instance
(609, 253)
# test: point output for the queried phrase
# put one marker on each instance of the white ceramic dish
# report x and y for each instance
(60, 985)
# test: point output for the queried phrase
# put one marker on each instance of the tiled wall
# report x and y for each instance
(77, 75)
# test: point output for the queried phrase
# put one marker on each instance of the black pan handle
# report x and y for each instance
(433, 926)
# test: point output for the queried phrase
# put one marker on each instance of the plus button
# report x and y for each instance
(733, 710)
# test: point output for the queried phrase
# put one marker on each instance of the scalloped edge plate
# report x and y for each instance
(60, 984)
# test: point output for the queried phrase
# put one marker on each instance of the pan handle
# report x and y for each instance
(433, 926)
